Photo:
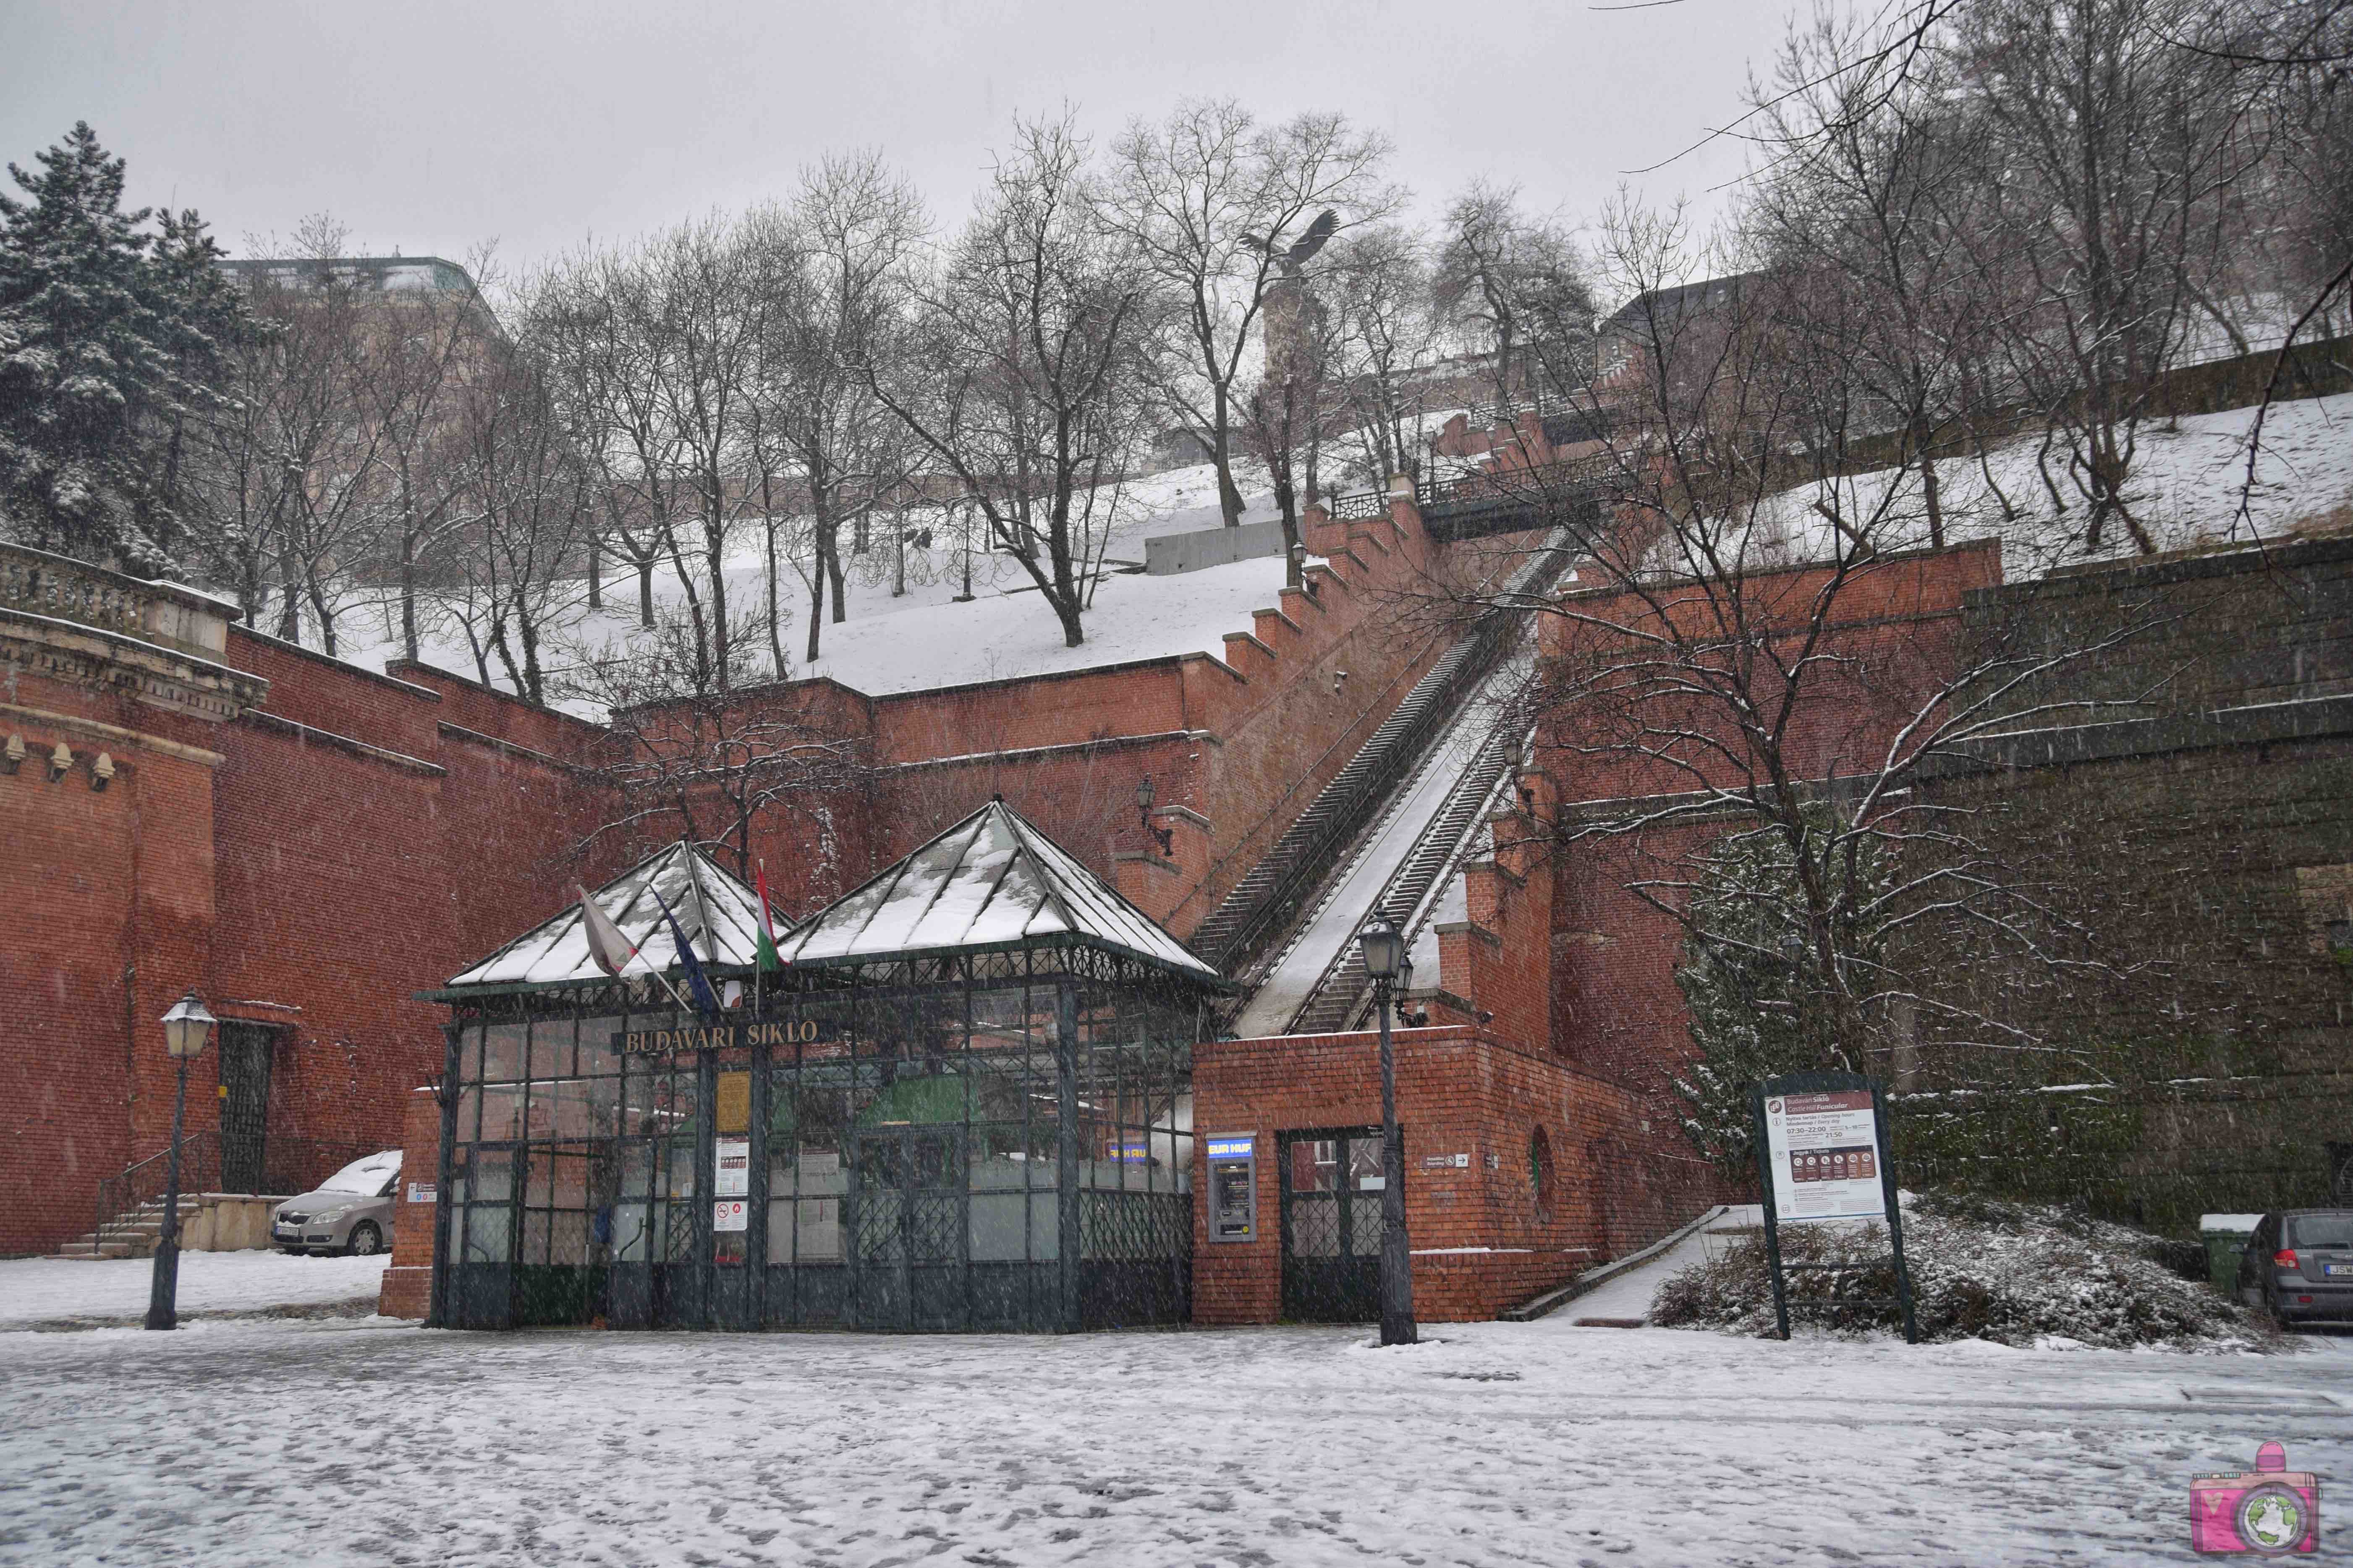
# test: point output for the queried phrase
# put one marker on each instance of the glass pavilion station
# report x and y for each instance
(964, 1104)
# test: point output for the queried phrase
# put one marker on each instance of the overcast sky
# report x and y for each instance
(429, 127)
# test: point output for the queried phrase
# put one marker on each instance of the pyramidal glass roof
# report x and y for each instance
(720, 916)
(993, 880)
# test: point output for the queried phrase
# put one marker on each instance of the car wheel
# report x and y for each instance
(366, 1240)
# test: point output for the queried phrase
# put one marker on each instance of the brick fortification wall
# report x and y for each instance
(1895, 627)
(2204, 836)
(2194, 825)
(305, 856)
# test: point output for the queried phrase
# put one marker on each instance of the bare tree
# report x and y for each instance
(1213, 203)
(1031, 364)
(1871, 203)
(1511, 282)
(1740, 679)
(1384, 333)
(837, 274)
(524, 495)
(700, 757)
(2112, 157)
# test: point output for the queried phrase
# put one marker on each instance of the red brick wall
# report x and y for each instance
(1616, 1010)
(307, 866)
(111, 919)
(1481, 1240)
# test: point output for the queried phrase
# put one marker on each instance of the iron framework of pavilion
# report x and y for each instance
(964, 1105)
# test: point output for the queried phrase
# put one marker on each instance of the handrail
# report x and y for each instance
(1554, 485)
(142, 1180)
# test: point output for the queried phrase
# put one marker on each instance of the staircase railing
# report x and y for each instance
(144, 1182)
(290, 1166)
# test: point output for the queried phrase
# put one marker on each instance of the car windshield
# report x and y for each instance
(2317, 1230)
(366, 1178)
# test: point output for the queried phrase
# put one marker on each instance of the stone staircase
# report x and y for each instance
(131, 1234)
(209, 1221)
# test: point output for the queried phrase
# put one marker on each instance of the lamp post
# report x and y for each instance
(1385, 962)
(187, 1027)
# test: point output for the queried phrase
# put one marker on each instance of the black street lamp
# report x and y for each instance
(1164, 837)
(1385, 963)
(187, 1027)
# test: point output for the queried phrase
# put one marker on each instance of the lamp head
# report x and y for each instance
(1384, 948)
(1144, 793)
(188, 1026)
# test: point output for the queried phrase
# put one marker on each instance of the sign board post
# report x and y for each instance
(1822, 1155)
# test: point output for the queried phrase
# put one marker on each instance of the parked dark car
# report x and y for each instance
(2298, 1267)
(351, 1211)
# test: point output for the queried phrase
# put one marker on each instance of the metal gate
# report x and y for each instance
(909, 1229)
(245, 1051)
(1331, 1225)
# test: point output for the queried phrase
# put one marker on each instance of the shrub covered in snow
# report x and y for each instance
(2013, 1273)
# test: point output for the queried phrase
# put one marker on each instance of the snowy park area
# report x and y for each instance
(370, 1442)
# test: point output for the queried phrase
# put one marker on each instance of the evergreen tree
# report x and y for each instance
(1755, 1009)
(111, 343)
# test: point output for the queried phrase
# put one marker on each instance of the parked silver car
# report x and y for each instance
(2298, 1267)
(351, 1211)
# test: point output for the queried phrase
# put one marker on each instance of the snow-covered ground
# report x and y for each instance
(56, 1289)
(362, 1442)
(921, 638)
(2185, 485)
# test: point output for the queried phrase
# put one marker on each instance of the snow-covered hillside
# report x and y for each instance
(921, 638)
(2187, 484)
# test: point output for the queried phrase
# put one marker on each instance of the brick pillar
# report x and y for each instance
(409, 1279)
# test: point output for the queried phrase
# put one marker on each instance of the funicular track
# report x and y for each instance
(1262, 917)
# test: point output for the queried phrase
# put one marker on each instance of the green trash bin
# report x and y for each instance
(2225, 1235)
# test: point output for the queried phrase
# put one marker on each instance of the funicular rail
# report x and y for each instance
(1271, 896)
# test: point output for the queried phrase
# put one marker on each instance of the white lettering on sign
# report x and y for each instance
(423, 1193)
(731, 1214)
(1823, 1150)
(733, 1168)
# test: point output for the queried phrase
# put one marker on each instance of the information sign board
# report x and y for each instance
(732, 1171)
(1822, 1156)
(731, 1214)
(1823, 1150)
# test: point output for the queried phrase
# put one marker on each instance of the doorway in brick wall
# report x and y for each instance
(245, 1053)
(1330, 1224)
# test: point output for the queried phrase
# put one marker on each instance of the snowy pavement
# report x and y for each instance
(57, 1290)
(364, 1442)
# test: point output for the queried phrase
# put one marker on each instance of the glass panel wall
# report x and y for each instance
(999, 1140)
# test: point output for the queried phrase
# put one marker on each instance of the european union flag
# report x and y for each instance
(698, 984)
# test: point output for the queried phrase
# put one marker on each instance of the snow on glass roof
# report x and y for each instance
(993, 880)
(720, 916)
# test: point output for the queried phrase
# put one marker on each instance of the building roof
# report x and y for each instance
(992, 881)
(393, 274)
(718, 913)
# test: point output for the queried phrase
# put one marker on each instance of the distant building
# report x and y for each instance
(392, 274)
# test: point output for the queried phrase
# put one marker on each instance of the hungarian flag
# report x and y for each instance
(698, 984)
(770, 959)
(607, 945)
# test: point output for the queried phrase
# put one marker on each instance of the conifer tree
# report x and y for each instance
(109, 341)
